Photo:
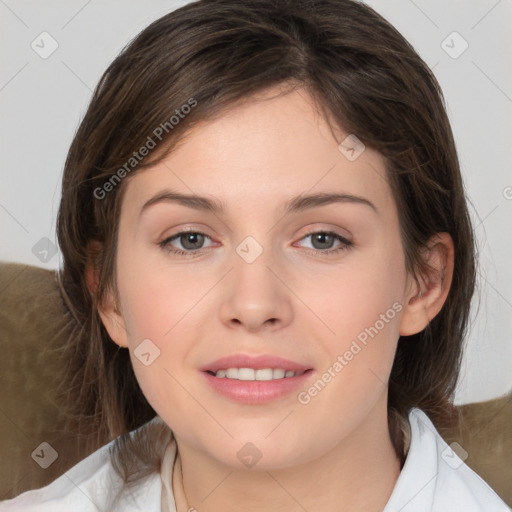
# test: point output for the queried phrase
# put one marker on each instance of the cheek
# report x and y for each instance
(155, 298)
(351, 297)
(160, 308)
(362, 312)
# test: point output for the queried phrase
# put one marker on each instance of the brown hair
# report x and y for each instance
(363, 73)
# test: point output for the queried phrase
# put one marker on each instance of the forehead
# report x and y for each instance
(262, 152)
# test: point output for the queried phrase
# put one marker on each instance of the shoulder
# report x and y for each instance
(435, 479)
(89, 486)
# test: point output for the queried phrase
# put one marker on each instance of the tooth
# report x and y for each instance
(232, 373)
(264, 374)
(245, 374)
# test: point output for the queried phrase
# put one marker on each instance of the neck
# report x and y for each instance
(360, 472)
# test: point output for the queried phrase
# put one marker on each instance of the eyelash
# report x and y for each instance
(346, 244)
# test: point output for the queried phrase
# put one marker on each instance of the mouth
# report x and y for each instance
(255, 380)
(251, 374)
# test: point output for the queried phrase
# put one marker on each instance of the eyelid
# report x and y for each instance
(346, 243)
(166, 241)
(337, 231)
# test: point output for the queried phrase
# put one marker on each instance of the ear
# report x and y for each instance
(424, 300)
(110, 315)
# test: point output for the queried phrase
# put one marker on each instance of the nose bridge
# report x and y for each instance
(256, 295)
(253, 261)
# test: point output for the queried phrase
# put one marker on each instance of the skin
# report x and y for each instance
(289, 302)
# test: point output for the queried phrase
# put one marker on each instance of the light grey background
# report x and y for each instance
(42, 101)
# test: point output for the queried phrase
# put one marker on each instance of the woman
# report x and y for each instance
(268, 252)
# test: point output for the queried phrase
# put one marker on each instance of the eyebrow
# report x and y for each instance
(295, 204)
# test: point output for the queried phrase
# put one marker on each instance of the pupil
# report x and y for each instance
(194, 237)
(324, 239)
(321, 237)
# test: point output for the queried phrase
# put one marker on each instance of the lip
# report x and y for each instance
(257, 391)
(256, 362)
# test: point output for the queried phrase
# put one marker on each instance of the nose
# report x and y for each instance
(256, 296)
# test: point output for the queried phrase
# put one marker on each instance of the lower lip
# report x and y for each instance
(256, 391)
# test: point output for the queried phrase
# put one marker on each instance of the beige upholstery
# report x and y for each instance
(485, 433)
(33, 325)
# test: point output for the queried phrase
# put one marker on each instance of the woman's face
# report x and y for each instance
(261, 286)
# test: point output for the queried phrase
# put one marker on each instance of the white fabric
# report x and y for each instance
(427, 483)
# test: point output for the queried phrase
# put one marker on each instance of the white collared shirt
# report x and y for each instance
(433, 479)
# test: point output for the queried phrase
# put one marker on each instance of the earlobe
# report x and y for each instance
(109, 313)
(113, 321)
(425, 298)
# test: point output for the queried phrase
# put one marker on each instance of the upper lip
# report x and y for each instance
(256, 362)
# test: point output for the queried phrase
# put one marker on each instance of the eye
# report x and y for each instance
(191, 241)
(324, 240)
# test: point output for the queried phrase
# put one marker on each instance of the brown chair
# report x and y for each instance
(485, 434)
(34, 323)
